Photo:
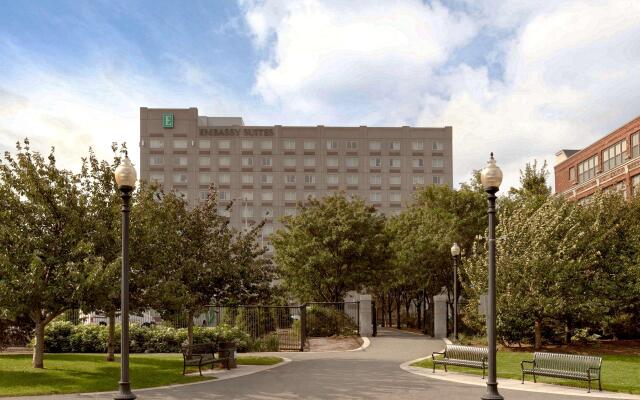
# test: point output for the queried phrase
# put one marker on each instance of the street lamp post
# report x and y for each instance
(455, 252)
(125, 176)
(491, 177)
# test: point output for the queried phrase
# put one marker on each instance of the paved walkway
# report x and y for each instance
(370, 374)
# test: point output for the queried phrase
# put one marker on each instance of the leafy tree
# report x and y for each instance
(45, 259)
(332, 246)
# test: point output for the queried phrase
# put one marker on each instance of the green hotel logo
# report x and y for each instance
(167, 120)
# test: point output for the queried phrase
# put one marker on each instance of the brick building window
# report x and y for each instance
(572, 173)
(635, 185)
(635, 144)
(587, 169)
(614, 155)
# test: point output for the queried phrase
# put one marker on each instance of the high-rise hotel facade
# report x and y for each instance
(267, 170)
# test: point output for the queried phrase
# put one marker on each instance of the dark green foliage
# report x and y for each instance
(325, 321)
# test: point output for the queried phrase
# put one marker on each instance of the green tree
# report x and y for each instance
(45, 259)
(332, 246)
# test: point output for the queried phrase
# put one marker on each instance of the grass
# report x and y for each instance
(80, 373)
(619, 372)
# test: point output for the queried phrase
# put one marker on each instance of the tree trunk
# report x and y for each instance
(382, 307)
(538, 334)
(190, 328)
(398, 325)
(419, 310)
(389, 309)
(567, 331)
(38, 350)
(111, 340)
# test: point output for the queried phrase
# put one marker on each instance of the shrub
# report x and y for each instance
(327, 321)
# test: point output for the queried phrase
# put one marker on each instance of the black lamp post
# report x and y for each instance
(455, 252)
(491, 177)
(126, 181)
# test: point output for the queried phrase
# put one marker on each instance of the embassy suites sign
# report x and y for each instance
(236, 131)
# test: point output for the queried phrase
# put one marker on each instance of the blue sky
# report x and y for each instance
(523, 79)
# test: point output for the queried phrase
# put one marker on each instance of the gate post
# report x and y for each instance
(440, 315)
(303, 326)
(364, 315)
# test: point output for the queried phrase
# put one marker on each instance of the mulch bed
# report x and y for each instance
(613, 347)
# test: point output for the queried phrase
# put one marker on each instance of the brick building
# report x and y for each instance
(610, 164)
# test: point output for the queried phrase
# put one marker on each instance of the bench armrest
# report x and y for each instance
(597, 369)
(433, 355)
(527, 362)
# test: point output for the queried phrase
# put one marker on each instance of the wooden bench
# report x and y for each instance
(462, 356)
(203, 354)
(569, 366)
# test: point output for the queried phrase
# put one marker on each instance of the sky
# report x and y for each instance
(523, 79)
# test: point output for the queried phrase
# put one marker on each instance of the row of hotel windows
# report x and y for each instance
(290, 144)
(374, 197)
(309, 162)
(611, 158)
(225, 179)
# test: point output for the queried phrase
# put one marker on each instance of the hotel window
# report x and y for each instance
(309, 162)
(375, 180)
(375, 197)
(437, 180)
(614, 155)
(418, 180)
(394, 146)
(224, 211)
(587, 169)
(375, 146)
(204, 179)
(267, 230)
(224, 179)
(247, 144)
(352, 145)
(417, 145)
(267, 162)
(394, 163)
(204, 195)
(204, 161)
(332, 179)
(309, 195)
(309, 144)
(224, 161)
(247, 161)
(267, 213)
(635, 183)
(395, 197)
(204, 144)
(309, 179)
(289, 162)
(375, 162)
(437, 146)
(332, 162)
(289, 212)
(352, 179)
(289, 144)
(290, 179)
(156, 143)
(332, 144)
(224, 144)
(266, 196)
(437, 163)
(267, 179)
(418, 163)
(247, 179)
(351, 162)
(635, 144)
(156, 160)
(180, 143)
(247, 212)
(266, 145)
(572, 173)
(180, 178)
(182, 195)
(395, 180)
(290, 196)
(224, 196)
(180, 161)
(157, 178)
(247, 196)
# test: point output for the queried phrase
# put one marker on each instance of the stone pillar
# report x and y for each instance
(366, 329)
(440, 316)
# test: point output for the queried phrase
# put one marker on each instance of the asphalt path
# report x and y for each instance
(370, 374)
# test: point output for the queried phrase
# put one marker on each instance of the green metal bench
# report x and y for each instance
(569, 366)
(204, 354)
(462, 356)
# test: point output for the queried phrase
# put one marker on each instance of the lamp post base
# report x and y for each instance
(492, 392)
(125, 392)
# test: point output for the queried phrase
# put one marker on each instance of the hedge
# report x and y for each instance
(64, 337)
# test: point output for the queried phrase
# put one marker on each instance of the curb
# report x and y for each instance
(511, 384)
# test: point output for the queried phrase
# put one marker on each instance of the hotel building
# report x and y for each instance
(267, 170)
(610, 164)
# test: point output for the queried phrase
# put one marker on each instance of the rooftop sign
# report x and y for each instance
(167, 120)
(236, 131)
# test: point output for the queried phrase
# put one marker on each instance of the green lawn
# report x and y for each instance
(78, 373)
(619, 372)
